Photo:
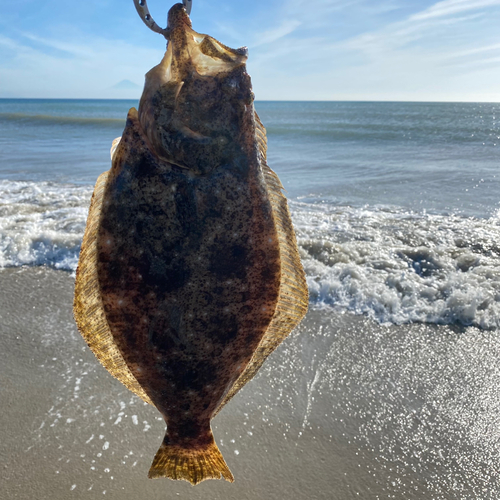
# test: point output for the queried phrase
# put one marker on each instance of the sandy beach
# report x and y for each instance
(345, 408)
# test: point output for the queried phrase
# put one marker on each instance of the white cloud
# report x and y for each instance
(9, 44)
(478, 50)
(86, 69)
(397, 35)
(435, 54)
(63, 46)
(285, 28)
(443, 52)
(317, 7)
(451, 7)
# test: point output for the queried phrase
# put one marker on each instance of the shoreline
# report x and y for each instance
(345, 408)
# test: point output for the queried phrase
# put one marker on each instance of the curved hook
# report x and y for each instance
(142, 9)
(188, 4)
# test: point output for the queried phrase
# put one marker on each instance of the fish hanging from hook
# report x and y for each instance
(143, 11)
(189, 275)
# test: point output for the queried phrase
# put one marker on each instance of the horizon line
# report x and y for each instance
(256, 100)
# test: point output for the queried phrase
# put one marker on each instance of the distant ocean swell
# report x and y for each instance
(373, 133)
(310, 129)
(48, 120)
(390, 264)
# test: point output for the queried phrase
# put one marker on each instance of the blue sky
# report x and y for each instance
(299, 49)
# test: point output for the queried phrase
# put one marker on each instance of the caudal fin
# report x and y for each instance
(191, 464)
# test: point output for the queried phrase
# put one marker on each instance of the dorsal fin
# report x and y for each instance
(87, 307)
(293, 296)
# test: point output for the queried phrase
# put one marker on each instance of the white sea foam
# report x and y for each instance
(42, 223)
(390, 264)
(401, 267)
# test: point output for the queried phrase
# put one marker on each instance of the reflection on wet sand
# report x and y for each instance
(349, 409)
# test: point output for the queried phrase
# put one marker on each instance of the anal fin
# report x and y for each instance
(88, 308)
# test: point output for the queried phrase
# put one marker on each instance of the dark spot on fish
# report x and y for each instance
(169, 276)
(205, 299)
(244, 310)
(189, 377)
(115, 270)
(269, 271)
(163, 341)
(200, 325)
(227, 328)
(230, 262)
(128, 337)
(188, 429)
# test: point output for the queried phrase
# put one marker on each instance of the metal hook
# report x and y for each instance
(187, 5)
(142, 9)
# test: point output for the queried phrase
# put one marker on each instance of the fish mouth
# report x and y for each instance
(208, 56)
(194, 102)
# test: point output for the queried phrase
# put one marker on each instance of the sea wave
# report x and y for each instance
(399, 267)
(40, 120)
(374, 133)
(42, 223)
(393, 265)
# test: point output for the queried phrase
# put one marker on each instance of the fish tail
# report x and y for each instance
(193, 464)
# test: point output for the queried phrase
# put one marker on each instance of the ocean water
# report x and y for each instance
(387, 389)
(396, 205)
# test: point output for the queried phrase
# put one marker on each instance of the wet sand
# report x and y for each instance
(345, 408)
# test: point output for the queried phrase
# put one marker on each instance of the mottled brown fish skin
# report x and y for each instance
(189, 274)
(189, 261)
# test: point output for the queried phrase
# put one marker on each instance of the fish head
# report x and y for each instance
(197, 104)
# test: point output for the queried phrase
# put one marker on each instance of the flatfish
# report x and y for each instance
(189, 273)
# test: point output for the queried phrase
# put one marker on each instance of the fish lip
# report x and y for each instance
(178, 17)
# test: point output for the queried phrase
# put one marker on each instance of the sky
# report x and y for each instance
(382, 50)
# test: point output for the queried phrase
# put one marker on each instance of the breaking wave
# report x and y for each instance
(398, 267)
(393, 265)
(42, 223)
